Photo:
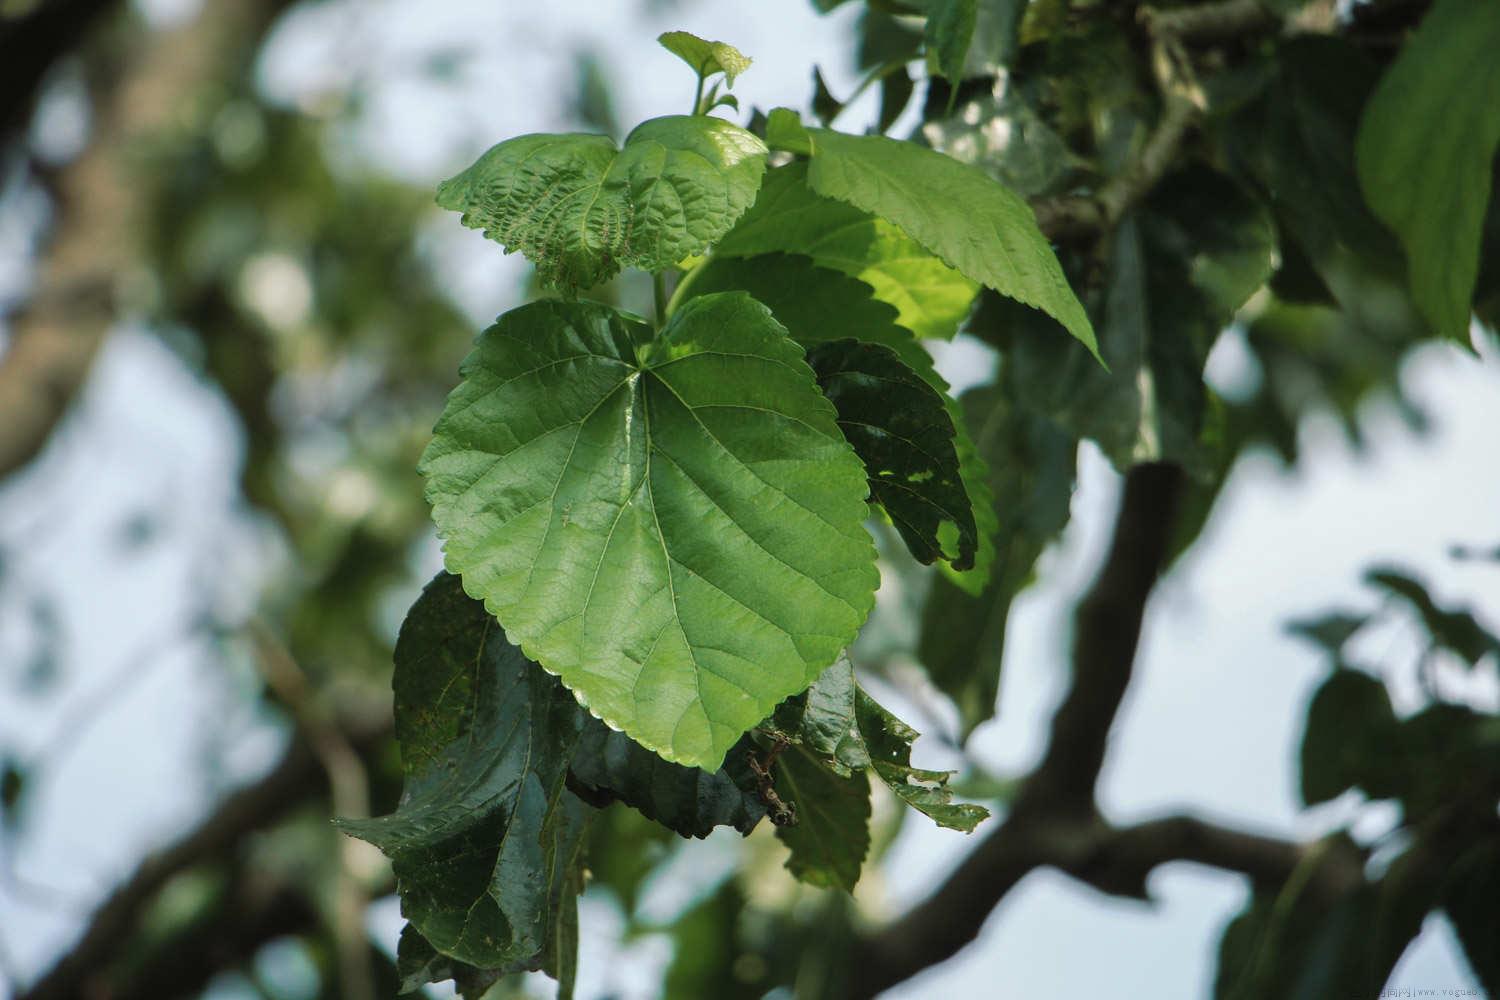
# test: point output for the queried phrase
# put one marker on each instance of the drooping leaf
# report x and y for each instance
(1032, 464)
(822, 720)
(705, 57)
(1349, 739)
(889, 742)
(1426, 151)
(673, 526)
(687, 800)
(931, 299)
(831, 836)
(418, 963)
(580, 209)
(486, 833)
(950, 30)
(975, 224)
(896, 88)
(825, 106)
(902, 430)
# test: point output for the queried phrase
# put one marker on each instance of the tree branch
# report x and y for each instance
(256, 807)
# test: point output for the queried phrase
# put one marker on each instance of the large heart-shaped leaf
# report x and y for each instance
(580, 209)
(486, 841)
(673, 525)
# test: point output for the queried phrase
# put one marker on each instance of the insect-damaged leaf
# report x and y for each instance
(900, 427)
(580, 209)
(486, 841)
(831, 836)
(672, 525)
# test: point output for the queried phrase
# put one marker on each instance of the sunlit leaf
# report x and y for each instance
(705, 57)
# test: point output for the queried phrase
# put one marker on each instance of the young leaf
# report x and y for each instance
(705, 57)
(974, 223)
(1426, 150)
(950, 30)
(889, 741)
(687, 800)
(931, 299)
(673, 526)
(580, 209)
(900, 427)
(485, 740)
(831, 837)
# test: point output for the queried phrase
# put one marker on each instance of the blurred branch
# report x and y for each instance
(99, 199)
(31, 44)
(298, 776)
(349, 787)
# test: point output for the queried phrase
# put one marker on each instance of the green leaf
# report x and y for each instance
(1426, 149)
(825, 106)
(673, 526)
(486, 833)
(1181, 267)
(419, 963)
(705, 57)
(931, 299)
(831, 836)
(902, 430)
(950, 30)
(580, 209)
(896, 88)
(1330, 631)
(818, 305)
(822, 719)
(1032, 464)
(971, 221)
(687, 800)
(1348, 742)
(889, 742)
(1470, 902)
(1457, 630)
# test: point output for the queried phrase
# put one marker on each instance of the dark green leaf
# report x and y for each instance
(896, 88)
(580, 209)
(687, 800)
(418, 963)
(1032, 464)
(486, 833)
(822, 720)
(1349, 739)
(1426, 151)
(902, 430)
(825, 106)
(831, 835)
(1329, 631)
(1472, 901)
(950, 31)
(1455, 629)
(672, 525)
(889, 742)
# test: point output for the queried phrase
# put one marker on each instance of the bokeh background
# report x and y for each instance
(288, 311)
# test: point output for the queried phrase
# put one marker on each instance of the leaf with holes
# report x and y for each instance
(580, 209)
(889, 742)
(900, 427)
(831, 835)
(672, 525)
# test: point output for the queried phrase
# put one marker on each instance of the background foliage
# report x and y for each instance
(1307, 183)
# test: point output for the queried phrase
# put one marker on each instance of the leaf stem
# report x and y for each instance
(698, 94)
(659, 296)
